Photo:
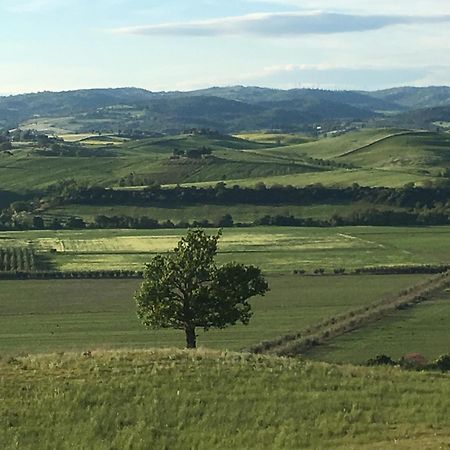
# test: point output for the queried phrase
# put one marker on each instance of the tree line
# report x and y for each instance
(371, 217)
(410, 196)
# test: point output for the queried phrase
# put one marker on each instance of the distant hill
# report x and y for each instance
(228, 109)
(414, 97)
(426, 117)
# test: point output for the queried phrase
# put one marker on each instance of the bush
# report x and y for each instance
(442, 363)
(413, 361)
(381, 360)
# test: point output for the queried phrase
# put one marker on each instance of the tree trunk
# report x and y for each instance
(191, 338)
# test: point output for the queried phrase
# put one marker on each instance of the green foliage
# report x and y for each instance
(185, 289)
(443, 363)
(18, 259)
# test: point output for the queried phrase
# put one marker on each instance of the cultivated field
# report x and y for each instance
(58, 315)
(382, 157)
(423, 329)
(275, 249)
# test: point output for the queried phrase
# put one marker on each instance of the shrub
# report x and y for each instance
(414, 361)
(381, 360)
(442, 363)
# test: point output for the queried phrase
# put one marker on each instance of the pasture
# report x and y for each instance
(274, 249)
(423, 329)
(62, 315)
(205, 399)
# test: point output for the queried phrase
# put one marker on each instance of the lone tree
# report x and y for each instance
(186, 289)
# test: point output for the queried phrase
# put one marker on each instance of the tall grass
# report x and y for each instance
(206, 400)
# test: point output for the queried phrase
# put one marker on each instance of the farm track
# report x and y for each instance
(377, 141)
(302, 342)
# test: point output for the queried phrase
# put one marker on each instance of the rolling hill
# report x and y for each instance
(229, 109)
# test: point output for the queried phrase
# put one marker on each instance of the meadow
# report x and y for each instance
(62, 315)
(422, 329)
(274, 249)
(205, 399)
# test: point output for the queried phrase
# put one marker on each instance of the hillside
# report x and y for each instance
(207, 400)
(229, 109)
(370, 157)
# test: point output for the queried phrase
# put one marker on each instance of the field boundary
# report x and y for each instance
(299, 343)
(377, 141)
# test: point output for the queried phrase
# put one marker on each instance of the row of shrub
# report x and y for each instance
(413, 361)
(55, 275)
(298, 343)
(17, 259)
(379, 270)
(11, 221)
(70, 192)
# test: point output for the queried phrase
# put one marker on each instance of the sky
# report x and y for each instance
(185, 44)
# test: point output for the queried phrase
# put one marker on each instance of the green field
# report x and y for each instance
(275, 249)
(422, 329)
(178, 400)
(58, 315)
(381, 157)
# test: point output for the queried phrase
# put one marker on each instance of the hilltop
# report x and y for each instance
(206, 399)
(229, 109)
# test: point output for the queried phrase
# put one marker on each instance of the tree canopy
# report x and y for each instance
(185, 289)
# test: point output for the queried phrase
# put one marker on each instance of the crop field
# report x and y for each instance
(423, 329)
(57, 315)
(274, 249)
(276, 138)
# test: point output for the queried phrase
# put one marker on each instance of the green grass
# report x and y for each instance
(207, 400)
(58, 315)
(423, 329)
(274, 249)
(420, 151)
(332, 147)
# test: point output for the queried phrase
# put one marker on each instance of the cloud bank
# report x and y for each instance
(281, 24)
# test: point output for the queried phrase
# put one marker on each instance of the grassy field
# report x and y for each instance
(275, 249)
(208, 400)
(58, 315)
(423, 329)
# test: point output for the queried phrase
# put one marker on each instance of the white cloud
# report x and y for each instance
(282, 24)
(425, 7)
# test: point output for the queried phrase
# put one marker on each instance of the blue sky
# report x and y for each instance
(185, 44)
